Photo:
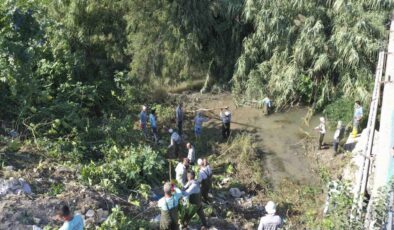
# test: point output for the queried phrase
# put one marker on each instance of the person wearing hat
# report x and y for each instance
(168, 206)
(322, 131)
(225, 116)
(338, 135)
(270, 221)
(193, 193)
(175, 140)
(204, 178)
(153, 125)
(179, 117)
(143, 120)
(181, 172)
(198, 120)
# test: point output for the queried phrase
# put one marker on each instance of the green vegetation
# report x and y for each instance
(311, 51)
(74, 73)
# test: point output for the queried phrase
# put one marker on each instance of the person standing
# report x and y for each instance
(266, 105)
(192, 191)
(358, 115)
(198, 120)
(270, 221)
(175, 140)
(143, 120)
(204, 178)
(191, 154)
(225, 116)
(153, 125)
(70, 222)
(322, 131)
(179, 118)
(338, 136)
(168, 206)
(181, 172)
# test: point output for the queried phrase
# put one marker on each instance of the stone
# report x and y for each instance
(90, 213)
(36, 220)
(155, 219)
(236, 193)
(102, 215)
(9, 168)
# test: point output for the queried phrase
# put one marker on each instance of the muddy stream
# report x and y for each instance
(278, 136)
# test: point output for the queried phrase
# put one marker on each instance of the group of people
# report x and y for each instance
(340, 129)
(193, 190)
(199, 119)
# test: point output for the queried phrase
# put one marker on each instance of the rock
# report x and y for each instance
(156, 219)
(89, 213)
(36, 220)
(248, 226)
(102, 215)
(9, 168)
(236, 193)
(14, 186)
(36, 227)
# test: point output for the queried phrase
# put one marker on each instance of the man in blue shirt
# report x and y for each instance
(198, 120)
(70, 222)
(179, 118)
(153, 125)
(143, 120)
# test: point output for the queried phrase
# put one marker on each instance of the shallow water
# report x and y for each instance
(278, 136)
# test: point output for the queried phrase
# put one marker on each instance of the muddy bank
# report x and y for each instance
(278, 136)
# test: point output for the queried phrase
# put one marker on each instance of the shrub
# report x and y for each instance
(119, 221)
(340, 110)
(133, 167)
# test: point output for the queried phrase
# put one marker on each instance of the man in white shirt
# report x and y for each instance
(192, 191)
(191, 154)
(270, 221)
(181, 172)
(322, 130)
(175, 141)
(338, 136)
(204, 178)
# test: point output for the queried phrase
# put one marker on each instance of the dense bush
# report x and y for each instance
(125, 169)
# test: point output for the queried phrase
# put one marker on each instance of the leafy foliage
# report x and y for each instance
(119, 221)
(310, 51)
(125, 170)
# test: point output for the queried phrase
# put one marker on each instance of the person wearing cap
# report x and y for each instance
(322, 131)
(175, 140)
(225, 116)
(191, 153)
(270, 221)
(153, 124)
(338, 135)
(181, 172)
(193, 193)
(143, 120)
(71, 222)
(198, 120)
(204, 178)
(179, 117)
(168, 206)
